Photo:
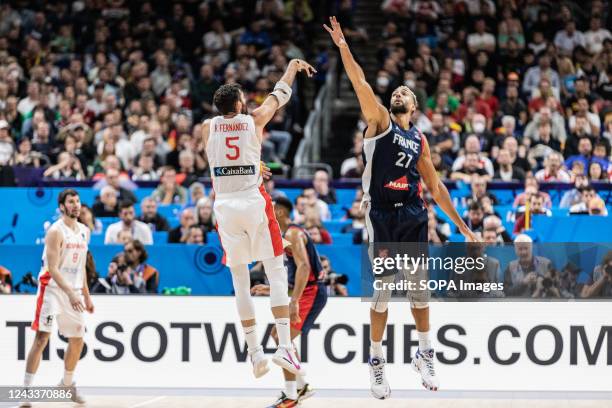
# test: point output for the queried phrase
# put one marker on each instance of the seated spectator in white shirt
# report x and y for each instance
(569, 38)
(596, 36)
(139, 230)
(552, 170)
(481, 40)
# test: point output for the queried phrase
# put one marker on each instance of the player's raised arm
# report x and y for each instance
(440, 193)
(281, 93)
(53, 241)
(374, 112)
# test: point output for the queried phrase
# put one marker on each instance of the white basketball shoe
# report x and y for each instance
(423, 363)
(259, 361)
(378, 381)
(286, 358)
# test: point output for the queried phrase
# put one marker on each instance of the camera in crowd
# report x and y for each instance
(27, 284)
(333, 278)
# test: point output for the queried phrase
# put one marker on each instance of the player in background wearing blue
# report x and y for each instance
(396, 157)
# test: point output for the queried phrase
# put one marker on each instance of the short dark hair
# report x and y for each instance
(125, 204)
(69, 192)
(285, 203)
(225, 98)
(475, 206)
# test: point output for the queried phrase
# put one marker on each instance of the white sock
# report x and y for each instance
(300, 381)
(68, 377)
(28, 379)
(250, 333)
(284, 332)
(424, 342)
(291, 389)
(376, 349)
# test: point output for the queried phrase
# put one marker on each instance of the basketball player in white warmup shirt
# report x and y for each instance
(62, 291)
(247, 227)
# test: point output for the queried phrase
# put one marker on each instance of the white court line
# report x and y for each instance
(142, 404)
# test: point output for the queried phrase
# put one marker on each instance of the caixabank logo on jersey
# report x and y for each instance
(234, 171)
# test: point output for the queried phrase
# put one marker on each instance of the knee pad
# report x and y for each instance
(241, 279)
(277, 278)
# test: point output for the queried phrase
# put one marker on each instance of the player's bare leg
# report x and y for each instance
(246, 310)
(378, 382)
(33, 361)
(71, 358)
(423, 361)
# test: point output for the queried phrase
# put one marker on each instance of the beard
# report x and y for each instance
(399, 109)
(74, 214)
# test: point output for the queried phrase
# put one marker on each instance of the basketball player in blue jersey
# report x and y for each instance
(396, 157)
(308, 295)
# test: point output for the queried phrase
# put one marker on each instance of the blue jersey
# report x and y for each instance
(390, 178)
(313, 260)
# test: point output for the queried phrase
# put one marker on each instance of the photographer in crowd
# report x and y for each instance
(600, 283)
(335, 282)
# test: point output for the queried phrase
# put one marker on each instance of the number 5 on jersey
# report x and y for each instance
(230, 143)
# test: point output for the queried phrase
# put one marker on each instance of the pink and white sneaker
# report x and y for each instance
(286, 358)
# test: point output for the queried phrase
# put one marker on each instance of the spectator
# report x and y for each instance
(480, 39)
(319, 205)
(137, 229)
(512, 105)
(599, 284)
(517, 156)
(196, 192)
(188, 174)
(121, 279)
(585, 149)
(112, 177)
(472, 144)
(6, 283)
(204, 214)
(136, 257)
(168, 191)
(150, 216)
(531, 187)
(357, 227)
(595, 37)
(87, 217)
(108, 205)
(335, 283)
(479, 190)
(536, 207)
(534, 75)
(569, 38)
(25, 156)
(269, 185)
(493, 222)
(589, 201)
(180, 234)
(196, 236)
(475, 217)
(471, 166)
(574, 196)
(506, 170)
(68, 167)
(521, 275)
(7, 147)
(552, 170)
(318, 234)
(324, 191)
